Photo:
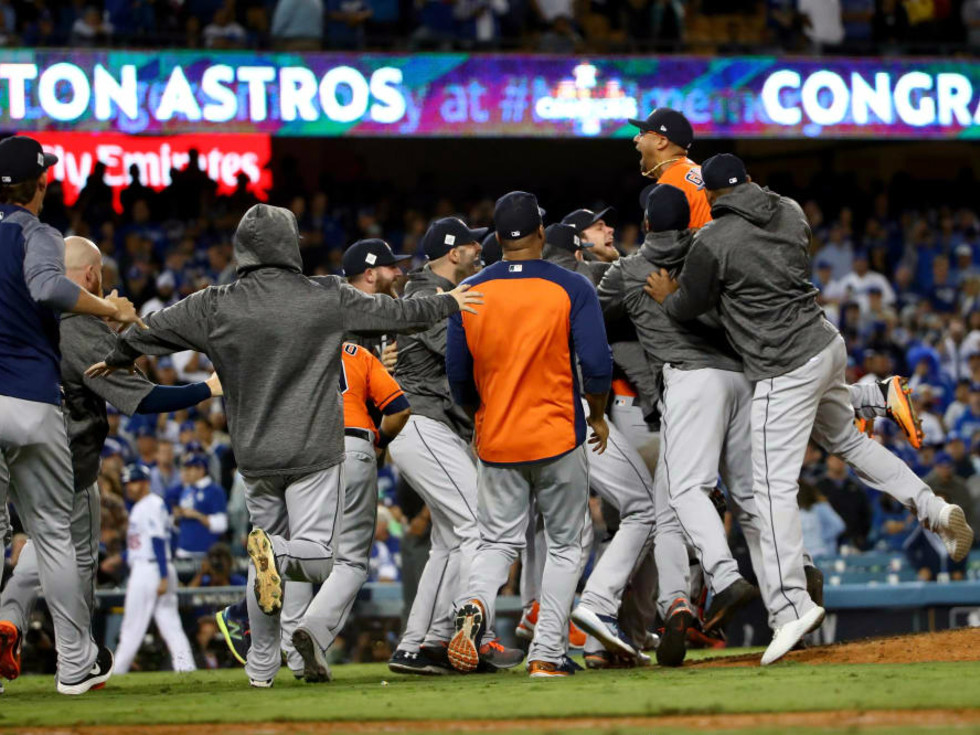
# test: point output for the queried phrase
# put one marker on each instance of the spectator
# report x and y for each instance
(962, 462)
(164, 474)
(479, 21)
(891, 24)
(297, 25)
(968, 424)
(92, 29)
(560, 38)
(891, 522)
(346, 23)
(849, 499)
(959, 404)
(216, 449)
(823, 24)
(201, 509)
(951, 488)
(956, 349)
(382, 566)
(943, 293)
(838, 251)
(146, 445)
(223, 32)
(858, 284)
(927, 554)
(821, 524)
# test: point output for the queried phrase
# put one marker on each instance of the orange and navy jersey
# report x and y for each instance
(365, 383)
(515, 360)
(686, 176)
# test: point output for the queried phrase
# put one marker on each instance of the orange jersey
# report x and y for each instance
(515, 361)
(363, 382)
(686, 176)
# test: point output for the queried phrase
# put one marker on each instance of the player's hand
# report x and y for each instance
(464, 297)
(389, 356)
(600, 434)
(660, 286)
(162, 588)
(214, 383)
(101, 370)
(125, 311)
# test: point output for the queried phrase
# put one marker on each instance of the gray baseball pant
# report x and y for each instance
(350, 570)
(560, 488)
(34, 445)
(619, 476)
(24, 586)
(438, 465)
(785, 410)
(706, 413)
(302, 516)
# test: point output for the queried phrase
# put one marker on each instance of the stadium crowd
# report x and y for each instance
(901, 281)
(555, 26)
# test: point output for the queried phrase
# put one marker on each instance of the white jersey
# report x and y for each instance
(149, 519)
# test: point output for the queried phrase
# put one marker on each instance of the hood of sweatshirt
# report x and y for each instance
(749, 201)
(667, 249)
(267, 237)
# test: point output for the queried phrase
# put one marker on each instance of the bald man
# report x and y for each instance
(84, 339)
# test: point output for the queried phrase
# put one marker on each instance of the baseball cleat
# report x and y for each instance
(495, 657)
(268, 583)
(673, 642)
(953, 530)
(814, 583)
(464, 653)
(235, 631)
(576, 636)
(261, 684)
(900, 408)
(315, 668)
(418, 662)
(95, 679)
(10, 645)
(787, 636)
(549, 670)
(727, 602)
(604, 659)
(529, 619)
(605, 628)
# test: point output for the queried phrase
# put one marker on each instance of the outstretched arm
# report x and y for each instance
(367, 314)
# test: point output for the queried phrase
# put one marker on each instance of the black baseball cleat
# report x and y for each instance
(315, 668)
(234, 629)
(419, 663)
(673, 643)
(814, 584)
(96, 677)
(726, 603)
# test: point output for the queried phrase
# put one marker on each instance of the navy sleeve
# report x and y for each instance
(166, 398)
(396, 406)
(589, 338)
(160, 554)
(459, 364)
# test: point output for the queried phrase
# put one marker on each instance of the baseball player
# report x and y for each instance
(530, 427)
(706, 401)
(151, 591)
(274, 337)
(593, 229)
(620, 477)
(33, 440)
(84, 339)
(433, 454)
(797, 359)
(367, 389)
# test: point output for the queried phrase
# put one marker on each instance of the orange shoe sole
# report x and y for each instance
(463, 653)
(9, 650)
(902, 412)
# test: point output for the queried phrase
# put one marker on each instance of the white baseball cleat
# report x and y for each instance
(787, 636)
(955, 532)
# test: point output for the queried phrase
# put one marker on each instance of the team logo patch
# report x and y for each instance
(450, 240)
(370, 258)
(694, 176)
(40, 159)
(516, 268)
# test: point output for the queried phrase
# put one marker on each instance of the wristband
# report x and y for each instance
(383, 440)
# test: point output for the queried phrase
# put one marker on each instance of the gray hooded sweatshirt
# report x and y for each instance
(692, 345)
(752, 262)
(274, 337)
(593, 270)
(421, 368)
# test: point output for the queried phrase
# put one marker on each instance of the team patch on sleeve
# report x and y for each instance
(694, 176)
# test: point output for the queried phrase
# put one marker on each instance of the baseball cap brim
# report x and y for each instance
(50, 159)
(478, 234)
(641, 124)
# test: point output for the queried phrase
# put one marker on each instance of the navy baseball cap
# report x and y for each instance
(447, 233)
(111, 447)
(565, 237)
(645, 193)
(583, 219)
(135, 472)
(490, 249)
(667, 209)
(516, 215)
(669, 123)
(23, 158)
(145, 430)
(193, 459)
(370, 253)
(722, 171)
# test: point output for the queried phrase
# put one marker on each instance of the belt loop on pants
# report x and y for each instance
(360, 434)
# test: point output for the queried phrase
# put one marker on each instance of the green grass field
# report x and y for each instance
(358, 694)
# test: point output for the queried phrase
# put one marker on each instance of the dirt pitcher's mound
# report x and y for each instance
(948, 645)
